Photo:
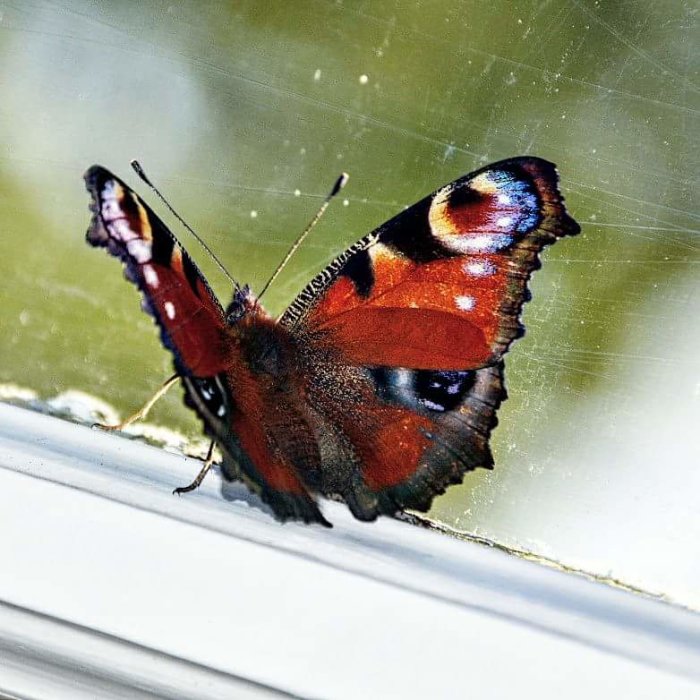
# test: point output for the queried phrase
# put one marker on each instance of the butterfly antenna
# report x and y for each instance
(142, 174)
(339, 184)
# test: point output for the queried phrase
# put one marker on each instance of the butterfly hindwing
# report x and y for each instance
(244, 427)
(461, 410)
(393, 438)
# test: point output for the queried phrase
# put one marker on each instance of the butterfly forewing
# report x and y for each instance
(190, 317)
(442, 284)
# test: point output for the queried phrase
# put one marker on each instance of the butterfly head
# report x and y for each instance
(241, 305)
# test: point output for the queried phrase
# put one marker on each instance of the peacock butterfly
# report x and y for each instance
(381, 381)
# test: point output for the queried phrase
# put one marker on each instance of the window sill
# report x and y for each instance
(111, 586)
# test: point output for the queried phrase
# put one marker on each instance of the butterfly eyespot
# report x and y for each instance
(484, 243)
(212, 393)
(442, 391)
(528, 222)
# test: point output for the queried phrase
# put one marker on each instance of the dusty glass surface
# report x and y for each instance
(245, 112)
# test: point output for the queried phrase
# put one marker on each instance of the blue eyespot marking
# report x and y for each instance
(519, 197)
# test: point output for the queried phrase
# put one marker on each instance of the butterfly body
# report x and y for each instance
(380, 383)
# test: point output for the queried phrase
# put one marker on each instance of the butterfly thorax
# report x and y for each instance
(243, 303)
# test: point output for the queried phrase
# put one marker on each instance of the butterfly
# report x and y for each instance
(380, 383)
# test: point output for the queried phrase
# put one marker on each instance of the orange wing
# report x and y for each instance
(440, 286)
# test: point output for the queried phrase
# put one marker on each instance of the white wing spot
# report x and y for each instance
(151, 276)
(504, 221)
(120, 229)
(484, 183)
(465, 303)
(139, 250)
(484, 243)
(109, 191)
(504, 199)
(169, 309)
(110, 209)
(480, 269)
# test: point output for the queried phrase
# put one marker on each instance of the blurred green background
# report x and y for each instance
(245, 112)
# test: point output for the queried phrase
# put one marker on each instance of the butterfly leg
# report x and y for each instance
(202, 472)
(143, 411)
